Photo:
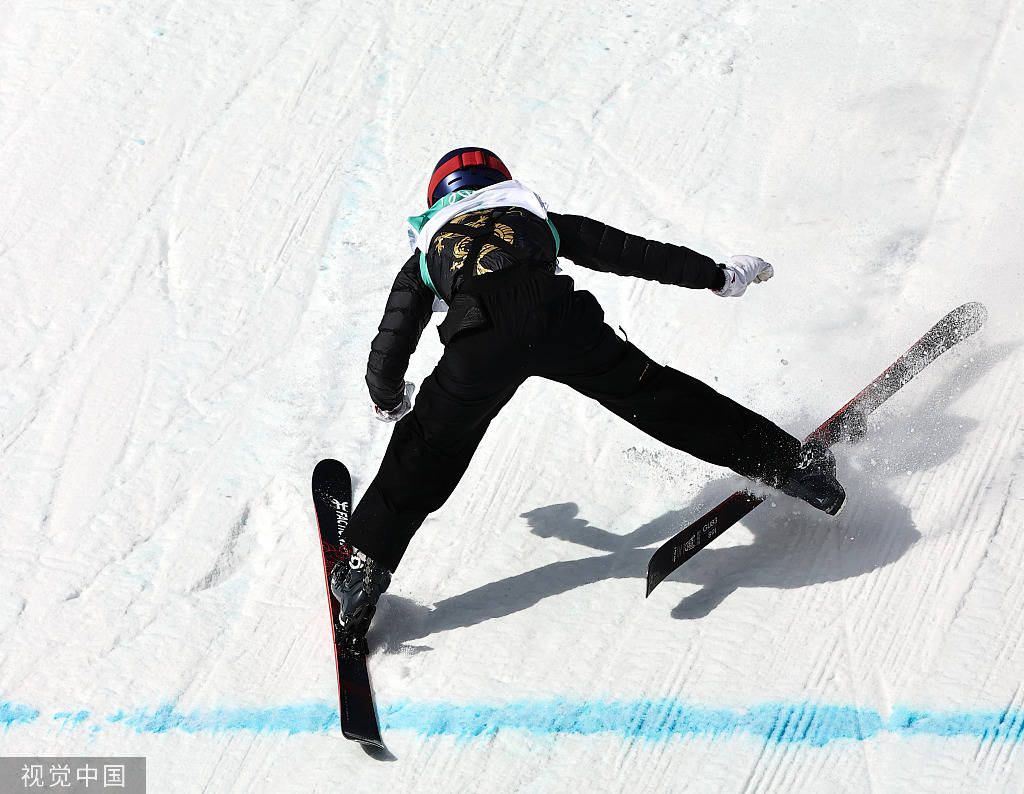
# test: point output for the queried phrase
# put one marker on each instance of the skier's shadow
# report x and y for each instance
(793, 545)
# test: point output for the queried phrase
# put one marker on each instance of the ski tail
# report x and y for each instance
(697, 535)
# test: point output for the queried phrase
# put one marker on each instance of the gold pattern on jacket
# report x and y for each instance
(461, 249)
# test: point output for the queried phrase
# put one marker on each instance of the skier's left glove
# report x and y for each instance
(741, 271)
(399, 410)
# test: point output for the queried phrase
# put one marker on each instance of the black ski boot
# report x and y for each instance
(814, 479)
(357, 583)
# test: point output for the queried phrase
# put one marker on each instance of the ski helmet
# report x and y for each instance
(469, 167)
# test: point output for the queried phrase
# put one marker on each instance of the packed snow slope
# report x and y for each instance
(202, 213)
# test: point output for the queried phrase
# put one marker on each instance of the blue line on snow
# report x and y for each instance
(647, 719)
(312, 718)
(16, 714)
(813, 724)
(71, 719)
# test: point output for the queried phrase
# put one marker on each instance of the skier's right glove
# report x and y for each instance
(741, 271)
(399, 410)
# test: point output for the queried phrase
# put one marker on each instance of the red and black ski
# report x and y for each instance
(848, 422)
(332, 498)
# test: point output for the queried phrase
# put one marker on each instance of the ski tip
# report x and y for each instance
(970, 317)
(330, 469)
(328, 464)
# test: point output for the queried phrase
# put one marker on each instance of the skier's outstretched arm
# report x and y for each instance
(406, 314)
(596, 245)
(599, 246)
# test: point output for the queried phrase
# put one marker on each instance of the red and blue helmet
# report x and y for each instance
(470, 167)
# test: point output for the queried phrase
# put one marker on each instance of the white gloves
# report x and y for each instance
(398, 412)
(740, 272)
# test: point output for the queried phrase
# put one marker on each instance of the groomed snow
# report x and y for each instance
(201, 213)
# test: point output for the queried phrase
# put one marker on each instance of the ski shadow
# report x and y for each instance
(785, 544)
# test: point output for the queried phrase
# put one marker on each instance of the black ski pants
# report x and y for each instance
(539, 325)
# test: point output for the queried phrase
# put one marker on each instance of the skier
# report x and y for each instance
(486, 250)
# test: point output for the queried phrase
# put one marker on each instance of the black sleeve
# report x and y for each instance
(601, 247)
(406, 314)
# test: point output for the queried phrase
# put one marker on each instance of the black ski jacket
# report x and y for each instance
(501, 238)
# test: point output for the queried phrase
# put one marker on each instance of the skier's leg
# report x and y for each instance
(669, 405)
(689, 415)
(431, 448)
(429, 451)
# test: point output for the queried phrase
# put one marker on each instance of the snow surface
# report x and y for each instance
(201, 214)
